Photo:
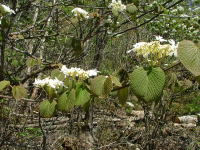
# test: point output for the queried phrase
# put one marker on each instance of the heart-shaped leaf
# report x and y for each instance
(101, 86)
(189, 55)
(97, 85)
(58, 74)
(115, 81)
(4, 84)
(83, 96)
(19, 92)
(108, 86)
(131, 8)
(66, 101)
(47, 108)
(148, 84)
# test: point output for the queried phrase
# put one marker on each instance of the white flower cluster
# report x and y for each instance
(160, 38)
(81, 13)
(78, 72)
(54, 83)
(180, 8)
(155, 48)
(130, 104)
(117, 7)
(6, 10)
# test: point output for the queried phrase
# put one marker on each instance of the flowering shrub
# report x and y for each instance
(5, 10)
(80, 13)
(53, 83)
(154, 51)
(44, 35)
(182, 22)
(117, 7)
(78, 73)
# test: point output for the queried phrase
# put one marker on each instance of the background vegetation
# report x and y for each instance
(43, 35)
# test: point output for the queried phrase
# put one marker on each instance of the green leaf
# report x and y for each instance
(148, 84)
(97, 85)
(47, 108)
(5, 22)
(131, 8)
(66, 101)
(50, 91)
(4, 84)
(72, 96)
(15, 63)
(31, 62)
(19, 92)
(57, 74)
(86, 106)
(116, 81)
(101, 86)
(108, 86)
(189, 55)
(83, 96)
(68, 83)
(123, 95)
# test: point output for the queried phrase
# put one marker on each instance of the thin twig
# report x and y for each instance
(12, 98)
(136, 27)
(43, 133)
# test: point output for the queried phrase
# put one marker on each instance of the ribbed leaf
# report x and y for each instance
(19, 92)
(83, 96)
(101, 86)
(147, 84)
(108, 86)
(115, 81)
(131, 8)
(97, 85)
(189, 54)
(68, 83)
(57, 74)
(4, 84)
(31, 62)
(50, 91)
(66, 101)
(123, 95)
(47, 108)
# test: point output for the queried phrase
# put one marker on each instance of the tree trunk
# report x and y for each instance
(100, 45)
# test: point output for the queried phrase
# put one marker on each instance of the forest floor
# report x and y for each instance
(112, 129)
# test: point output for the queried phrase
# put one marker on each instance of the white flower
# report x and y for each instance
(6, 9)
(180, 8)
(109, 20)
(39, 82)
(54, 83)
(92, 73)
(79, 12)
(78, 72)
(174, 10)
(129, 51)
(130, 104)
(160, 38)
(184, 16)
(174, 21)
(117, 6)
(109, 32)
(174, 47)
(153, 51)
(136, 46)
